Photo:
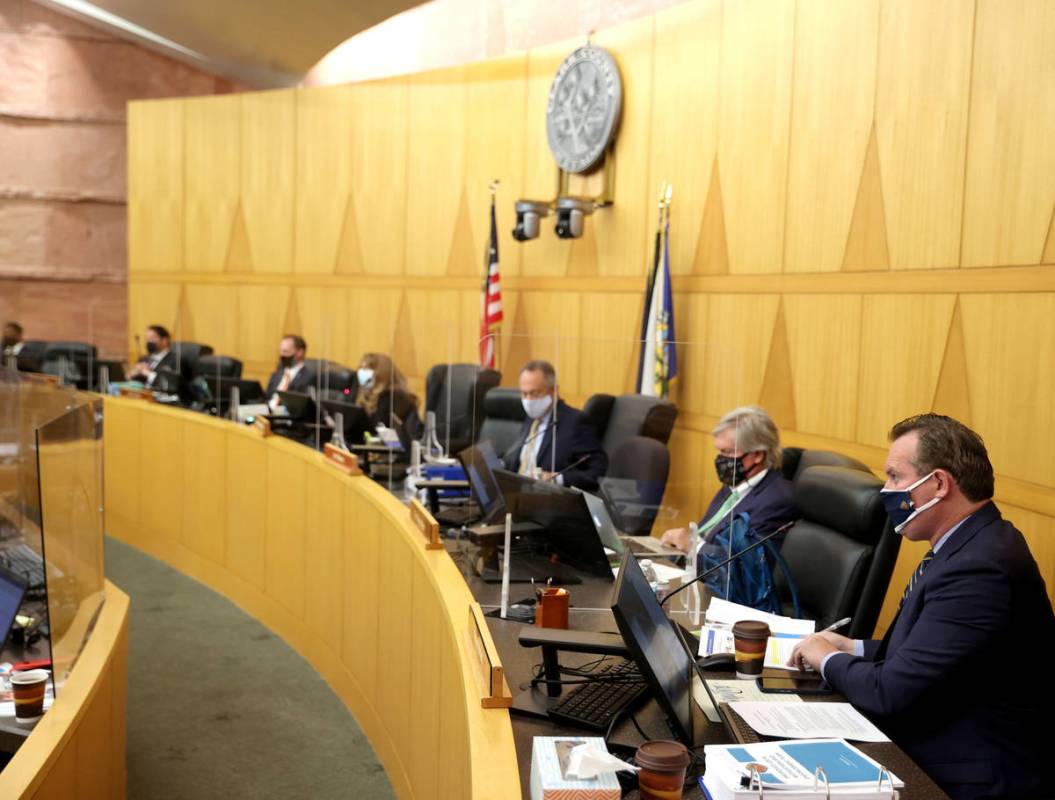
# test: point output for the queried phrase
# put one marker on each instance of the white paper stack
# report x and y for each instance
(785, 632)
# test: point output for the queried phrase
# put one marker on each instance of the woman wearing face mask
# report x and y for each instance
(384, 395)
(748, 466)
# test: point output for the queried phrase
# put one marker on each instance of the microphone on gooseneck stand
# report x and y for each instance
(572, 465)
(732, 558)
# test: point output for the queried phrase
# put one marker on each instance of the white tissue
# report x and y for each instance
(587, 761)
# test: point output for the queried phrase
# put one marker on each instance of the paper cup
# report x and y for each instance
(28, 688)
(749, 640)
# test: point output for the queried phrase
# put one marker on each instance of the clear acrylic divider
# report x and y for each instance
(70, 465)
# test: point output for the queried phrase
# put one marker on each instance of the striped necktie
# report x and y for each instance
(528, 450)
(719, 515)
(916, 575)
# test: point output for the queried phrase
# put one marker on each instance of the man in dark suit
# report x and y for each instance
(748, 466)
(577, 459)
(291, 374)
(158, 358)
(958, 682)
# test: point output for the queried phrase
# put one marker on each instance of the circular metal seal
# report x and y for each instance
(583, 108)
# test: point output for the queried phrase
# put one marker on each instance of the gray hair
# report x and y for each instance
(546, 368)
(755, 431)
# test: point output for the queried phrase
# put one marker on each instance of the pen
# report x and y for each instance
(836, 625)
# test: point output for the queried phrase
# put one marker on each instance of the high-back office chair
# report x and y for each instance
(619, 418)
(503, 417)
(73, 362)
(842, 551)
(635, 482)
(455, 393)
(187, 355)
(337, 380)
(795, 460)
(224, 366)
(31, 356)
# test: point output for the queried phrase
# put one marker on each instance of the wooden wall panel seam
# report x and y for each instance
(967, 142)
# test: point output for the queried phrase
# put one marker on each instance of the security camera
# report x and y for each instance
(528, 214)
(570, 213)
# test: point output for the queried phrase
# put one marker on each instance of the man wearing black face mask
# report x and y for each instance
(748, 466)
(291, 374)
(12, 341)
(974, 609)
(158, 357)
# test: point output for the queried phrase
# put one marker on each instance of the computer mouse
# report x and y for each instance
(716, 661)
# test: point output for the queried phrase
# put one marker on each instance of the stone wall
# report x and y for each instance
(63, 90)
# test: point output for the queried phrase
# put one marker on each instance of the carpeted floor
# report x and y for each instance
(218, 707)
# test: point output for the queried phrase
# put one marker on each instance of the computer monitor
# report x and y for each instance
(483, 486)
(12, 591)
(218, 390)
(602, 521)
(298, 404)
(655, 646)
(356, 420)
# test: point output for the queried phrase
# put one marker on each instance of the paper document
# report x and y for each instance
(790, 767)
(738, 691)
(809, 721)
(785, 632)
(722, 612)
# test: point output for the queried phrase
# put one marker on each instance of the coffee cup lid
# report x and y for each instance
(663, 755)
(29, 676)
(751, 629)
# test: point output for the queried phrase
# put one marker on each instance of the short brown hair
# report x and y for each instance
(946, 443)
(298, 341)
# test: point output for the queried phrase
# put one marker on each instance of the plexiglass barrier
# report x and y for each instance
(70, 467)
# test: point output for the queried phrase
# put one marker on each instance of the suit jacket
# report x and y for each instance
(576, 439)
(166, 364)
(770, 504)
(300, 383)
(979, 612)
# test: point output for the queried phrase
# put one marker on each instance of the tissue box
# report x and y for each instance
(547, 776)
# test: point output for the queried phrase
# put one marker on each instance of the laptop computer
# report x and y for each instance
(356, 420)
(12, 592)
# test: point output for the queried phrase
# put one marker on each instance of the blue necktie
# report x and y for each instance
(916, 575)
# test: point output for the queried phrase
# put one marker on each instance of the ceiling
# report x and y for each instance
(261, 43)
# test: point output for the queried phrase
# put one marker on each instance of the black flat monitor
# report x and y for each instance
(356, 420)
(12, 591)
(562, 513)
(483, 486)
(655, 646)
(219, 390)
(298, 405)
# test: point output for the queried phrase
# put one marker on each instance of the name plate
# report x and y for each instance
(490, 676)
(346, 462)
(263, 426)
(137, 394)
(426, 523)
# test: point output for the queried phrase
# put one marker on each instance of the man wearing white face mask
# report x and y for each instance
(974, 609)
(577, 459)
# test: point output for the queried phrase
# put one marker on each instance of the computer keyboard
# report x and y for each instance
(23, 560)
(594, 704)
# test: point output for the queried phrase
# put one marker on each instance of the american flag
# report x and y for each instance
(490, 299)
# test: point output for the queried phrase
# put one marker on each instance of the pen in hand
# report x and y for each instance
(836, 625)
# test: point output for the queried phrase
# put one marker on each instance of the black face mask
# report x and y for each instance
(285, 361)
(8, 341)
(731, 471)
(152, 347)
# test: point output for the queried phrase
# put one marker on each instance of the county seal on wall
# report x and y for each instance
(583, 108)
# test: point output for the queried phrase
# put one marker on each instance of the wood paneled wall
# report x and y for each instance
(862, 227)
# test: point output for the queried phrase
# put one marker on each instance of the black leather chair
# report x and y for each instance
(619, 418)
(795, 460)
(634, 485)
(73, 362)
(503, 417)
(455, 393)
(223, 366)
(187, 355)
(842, 552)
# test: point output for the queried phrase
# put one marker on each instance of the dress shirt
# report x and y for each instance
(275, 400)
(152, 364)
(741, 490)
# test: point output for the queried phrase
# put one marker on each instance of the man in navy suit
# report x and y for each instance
(958, 682)
(748, 465)
(291, 374)
(578, 458)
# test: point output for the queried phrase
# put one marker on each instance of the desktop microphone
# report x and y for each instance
(575, 463)
(729, 560)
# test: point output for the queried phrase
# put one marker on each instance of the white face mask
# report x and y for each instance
(536, 407)
(365, 376)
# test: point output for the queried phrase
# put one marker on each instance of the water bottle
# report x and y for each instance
(650, 573)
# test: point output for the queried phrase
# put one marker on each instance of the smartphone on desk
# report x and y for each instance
(794, 683)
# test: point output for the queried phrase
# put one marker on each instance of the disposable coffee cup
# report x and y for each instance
(749, 641)
(28, 689)
(663, 764)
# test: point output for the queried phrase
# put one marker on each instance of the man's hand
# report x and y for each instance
(139, 369)
(812, 650)
(676, 537)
